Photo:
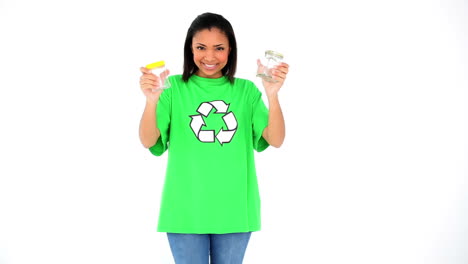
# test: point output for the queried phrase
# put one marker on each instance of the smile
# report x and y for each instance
(209, 66)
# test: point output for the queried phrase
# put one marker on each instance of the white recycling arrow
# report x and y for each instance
(230, 121)
(206, 136)
(220, 106)
(205, 109)
(197, 123)
(223, 136)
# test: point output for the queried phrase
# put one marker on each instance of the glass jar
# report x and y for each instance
(267, 64)
(159, 69)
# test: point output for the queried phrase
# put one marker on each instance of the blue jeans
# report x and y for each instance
(200, 248)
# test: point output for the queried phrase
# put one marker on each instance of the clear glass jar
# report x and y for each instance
(159, 69)
(268, 63)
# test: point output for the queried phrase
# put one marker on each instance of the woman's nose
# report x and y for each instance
(209, 55)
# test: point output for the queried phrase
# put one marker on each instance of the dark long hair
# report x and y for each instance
(208, 21)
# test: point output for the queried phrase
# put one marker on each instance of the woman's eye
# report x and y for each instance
(200, 48)
(220, 48)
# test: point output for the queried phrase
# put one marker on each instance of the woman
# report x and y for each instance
(210, 122)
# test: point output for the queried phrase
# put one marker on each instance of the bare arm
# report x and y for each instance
(149, 132)
(275, 132)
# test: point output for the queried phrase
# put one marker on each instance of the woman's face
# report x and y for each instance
(210, 52)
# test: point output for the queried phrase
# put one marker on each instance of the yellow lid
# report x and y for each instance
(155, 65)
(274, 54)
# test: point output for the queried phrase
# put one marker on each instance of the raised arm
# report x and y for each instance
(275, 132)
(149, 132)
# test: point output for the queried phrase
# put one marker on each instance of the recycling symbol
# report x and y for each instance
(208, 136)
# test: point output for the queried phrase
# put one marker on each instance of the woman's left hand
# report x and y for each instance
(279, 76)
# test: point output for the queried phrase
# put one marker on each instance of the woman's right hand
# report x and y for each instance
(149, 85)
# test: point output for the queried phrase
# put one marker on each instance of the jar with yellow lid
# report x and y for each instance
(268, 63)
(159, 69)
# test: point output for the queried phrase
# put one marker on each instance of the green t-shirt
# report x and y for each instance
(210, 128)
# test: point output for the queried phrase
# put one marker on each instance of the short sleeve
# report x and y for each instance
(259, 122)
(163, 119)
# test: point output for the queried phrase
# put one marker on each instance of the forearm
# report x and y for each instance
(149, 132)
(274, 133)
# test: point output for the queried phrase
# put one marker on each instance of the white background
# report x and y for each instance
(373, 169)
